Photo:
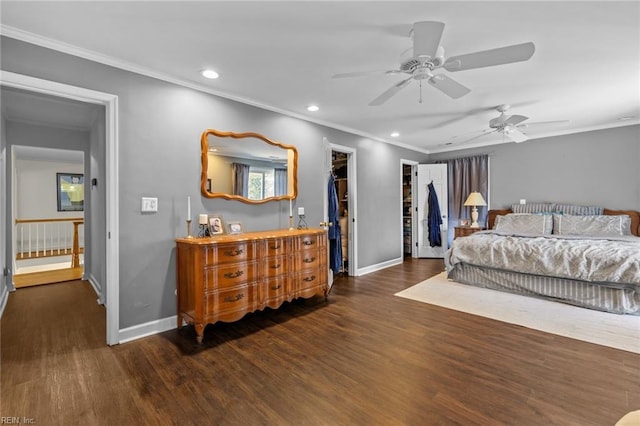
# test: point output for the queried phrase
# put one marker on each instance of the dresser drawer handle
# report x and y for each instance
(275, 247)
(309, 260)
(236, 274)
(276, 287)
(275, 266)
(234, 298)
(308, 242)
(235, 252)
(311, 278)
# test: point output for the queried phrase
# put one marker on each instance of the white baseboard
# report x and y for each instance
(96, 287)
(379, 266)
(147, 329)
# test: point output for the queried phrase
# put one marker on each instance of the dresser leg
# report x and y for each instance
(199, 332)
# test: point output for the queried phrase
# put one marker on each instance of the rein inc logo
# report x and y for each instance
(16, 420)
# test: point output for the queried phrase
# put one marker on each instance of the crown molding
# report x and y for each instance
(73, 50)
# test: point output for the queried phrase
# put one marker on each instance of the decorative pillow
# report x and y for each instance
(525, 223)
(533, 208)
(576, 210)
(592, 225)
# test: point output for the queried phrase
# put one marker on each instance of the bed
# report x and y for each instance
(581, 255)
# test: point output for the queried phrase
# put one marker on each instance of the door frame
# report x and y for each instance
(414, 213)
(352, 236)
(110, 102)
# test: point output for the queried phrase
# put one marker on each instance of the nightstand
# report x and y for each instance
(463, 231)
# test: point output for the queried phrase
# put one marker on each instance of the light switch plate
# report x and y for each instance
(523, 201)
(149, 205)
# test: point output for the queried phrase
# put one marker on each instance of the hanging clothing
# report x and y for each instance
(334, 234)
(434, 219)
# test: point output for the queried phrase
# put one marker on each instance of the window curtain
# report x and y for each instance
(465, 176)
(240, 179)
(280, 182)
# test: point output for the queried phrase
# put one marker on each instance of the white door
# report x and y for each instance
(427, 173)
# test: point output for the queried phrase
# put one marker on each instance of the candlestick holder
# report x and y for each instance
(189, 229)
(290, 223)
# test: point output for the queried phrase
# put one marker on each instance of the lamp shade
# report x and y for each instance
(475, 199)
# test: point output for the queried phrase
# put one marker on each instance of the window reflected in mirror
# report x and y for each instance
(247, 167)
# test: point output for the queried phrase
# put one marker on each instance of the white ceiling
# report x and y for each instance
(281, 56)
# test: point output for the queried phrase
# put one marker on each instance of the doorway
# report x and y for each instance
(341, 162)
(104, 231)
(48, 237)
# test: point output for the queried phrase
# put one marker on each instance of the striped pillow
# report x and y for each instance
(533, 208)
(575, 210)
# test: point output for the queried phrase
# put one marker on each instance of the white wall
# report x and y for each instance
(36, 194)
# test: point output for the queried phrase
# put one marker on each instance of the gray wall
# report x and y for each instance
(159, 156)
(592, 168)
(96, 221)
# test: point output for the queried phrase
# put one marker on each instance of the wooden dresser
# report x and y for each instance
(222, 278)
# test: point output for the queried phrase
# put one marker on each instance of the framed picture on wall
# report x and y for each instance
(70, 192)
(215, 225)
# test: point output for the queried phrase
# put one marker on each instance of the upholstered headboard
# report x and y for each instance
(634, 215)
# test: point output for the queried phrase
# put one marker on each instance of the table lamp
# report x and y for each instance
(475, 199)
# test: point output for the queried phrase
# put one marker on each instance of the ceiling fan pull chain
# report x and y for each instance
(420, 100)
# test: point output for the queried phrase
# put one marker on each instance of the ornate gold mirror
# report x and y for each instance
(247, 167)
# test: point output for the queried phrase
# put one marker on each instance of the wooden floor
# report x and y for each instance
(365, 357)
(47, 277)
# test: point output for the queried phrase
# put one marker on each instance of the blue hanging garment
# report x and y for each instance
(335, 243)
(434, 219)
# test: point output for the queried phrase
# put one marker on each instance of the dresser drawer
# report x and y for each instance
(309, 242)
(227, 253)
(221, 305)
(277, 287)
(225, 276)
(310, 260)
(310, 282)
(277, 246)
(277, 265)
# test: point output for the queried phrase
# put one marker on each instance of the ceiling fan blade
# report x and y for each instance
(448, 86)
(542, 123)
(466, 141)
(513, 120)
(363, 73)
(426, 38)
(386, 95)
(488, 58)
(515, 135)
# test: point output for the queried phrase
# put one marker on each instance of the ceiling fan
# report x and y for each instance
(427, 55)
(509, 125)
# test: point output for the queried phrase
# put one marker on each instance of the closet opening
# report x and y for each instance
(340, 170)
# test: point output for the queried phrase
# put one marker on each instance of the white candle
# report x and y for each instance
(290, 208)
(188, 208)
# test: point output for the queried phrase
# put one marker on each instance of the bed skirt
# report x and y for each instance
(579, 293)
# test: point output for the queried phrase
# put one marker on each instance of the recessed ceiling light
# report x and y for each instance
(395, 134)
(210, 74)
(629, 117)
(313, 108)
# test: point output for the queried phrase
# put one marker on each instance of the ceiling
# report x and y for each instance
(281, 56)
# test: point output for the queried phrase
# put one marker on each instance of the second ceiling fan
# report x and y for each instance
(428, 56)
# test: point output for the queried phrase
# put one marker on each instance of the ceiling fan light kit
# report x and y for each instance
(428, 55)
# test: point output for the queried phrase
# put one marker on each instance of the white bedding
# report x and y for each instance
(611, 261)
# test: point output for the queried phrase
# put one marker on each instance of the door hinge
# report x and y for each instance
(5, 271)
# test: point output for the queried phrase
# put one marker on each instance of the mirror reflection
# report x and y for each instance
(247, 167)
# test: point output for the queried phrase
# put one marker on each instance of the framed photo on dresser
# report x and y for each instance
(215, 225)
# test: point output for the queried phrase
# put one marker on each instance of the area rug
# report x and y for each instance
(601, 328)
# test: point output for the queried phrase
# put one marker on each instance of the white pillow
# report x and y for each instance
(592, 225)
(525, 223)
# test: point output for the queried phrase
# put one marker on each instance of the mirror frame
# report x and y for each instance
(204, 146)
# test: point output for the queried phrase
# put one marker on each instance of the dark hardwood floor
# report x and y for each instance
(365, 357)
